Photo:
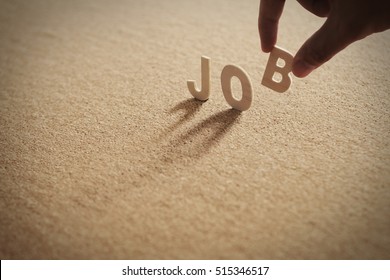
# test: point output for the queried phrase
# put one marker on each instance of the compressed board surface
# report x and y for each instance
(105, 154)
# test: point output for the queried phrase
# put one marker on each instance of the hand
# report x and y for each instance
(347, 21)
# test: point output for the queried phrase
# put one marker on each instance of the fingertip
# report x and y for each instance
(267, 39)
(266, 48)
(301, 68)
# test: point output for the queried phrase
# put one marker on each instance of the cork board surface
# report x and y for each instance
(105, 155)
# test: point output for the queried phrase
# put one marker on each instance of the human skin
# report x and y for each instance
(347, 21)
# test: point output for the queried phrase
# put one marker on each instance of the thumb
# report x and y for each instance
(330, 39)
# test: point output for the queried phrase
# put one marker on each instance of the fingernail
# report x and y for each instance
(301, 68)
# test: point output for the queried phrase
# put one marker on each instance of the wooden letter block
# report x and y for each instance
(226, 76)
(230, 71)
(273, 67)
(203, 93)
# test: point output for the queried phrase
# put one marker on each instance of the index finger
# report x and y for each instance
(269, 15)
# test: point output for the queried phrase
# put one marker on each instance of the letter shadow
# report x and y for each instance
(200, 139)
(180, 151)
(190, 107)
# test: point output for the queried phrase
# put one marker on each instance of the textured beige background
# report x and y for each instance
(105, 155)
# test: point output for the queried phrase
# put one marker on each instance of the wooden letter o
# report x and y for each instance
(226, 76)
